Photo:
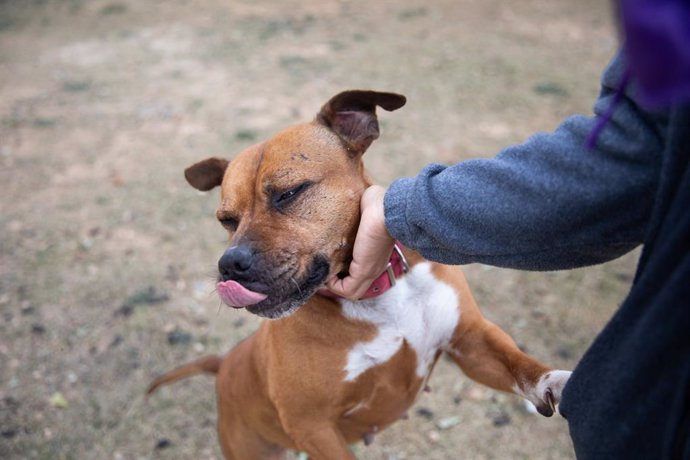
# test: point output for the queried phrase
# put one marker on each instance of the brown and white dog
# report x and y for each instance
(327, 372)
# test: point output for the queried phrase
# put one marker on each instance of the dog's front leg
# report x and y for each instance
(488, 355)
(321, 442)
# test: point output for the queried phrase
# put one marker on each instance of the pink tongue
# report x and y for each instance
(235, 295)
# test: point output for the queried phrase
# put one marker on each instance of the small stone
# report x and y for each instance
(124, 311)
(501, 419)
(163, 444)
(117, 340)
(148, 296)
(425, 412)
(178, 337)
(448, 422)
(550, 88)
(86, 243)
(434, 436)
(8, 403)
(9, 433)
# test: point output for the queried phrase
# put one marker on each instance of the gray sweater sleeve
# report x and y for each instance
(545, 204)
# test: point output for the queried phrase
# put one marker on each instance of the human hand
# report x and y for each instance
(372, 249)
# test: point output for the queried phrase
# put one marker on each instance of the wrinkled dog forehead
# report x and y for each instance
(307, 152)
(308, 145)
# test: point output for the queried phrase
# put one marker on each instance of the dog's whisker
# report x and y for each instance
(296, 285)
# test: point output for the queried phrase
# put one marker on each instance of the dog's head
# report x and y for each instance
(291, 204)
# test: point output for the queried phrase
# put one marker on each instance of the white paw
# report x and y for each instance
(546, 394)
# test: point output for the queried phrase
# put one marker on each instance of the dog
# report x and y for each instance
(325, 372)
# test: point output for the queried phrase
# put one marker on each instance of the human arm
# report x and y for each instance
(548, 203)
(545, 204)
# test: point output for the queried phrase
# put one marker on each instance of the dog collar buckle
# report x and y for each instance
(397, 266)
(391, 274)
(400, 259)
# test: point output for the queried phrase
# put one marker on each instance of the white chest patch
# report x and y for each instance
(419, 310)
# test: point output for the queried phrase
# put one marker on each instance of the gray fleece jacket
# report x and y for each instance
(548, 203)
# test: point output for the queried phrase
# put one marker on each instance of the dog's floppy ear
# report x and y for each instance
(206, 174)
(352, 115)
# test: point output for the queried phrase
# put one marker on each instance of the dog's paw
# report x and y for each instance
(546, 393)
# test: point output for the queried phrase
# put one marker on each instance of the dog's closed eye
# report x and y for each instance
(281, 199)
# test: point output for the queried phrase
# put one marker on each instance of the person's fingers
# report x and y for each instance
(372, 248)
(348, 288)
(361, 275)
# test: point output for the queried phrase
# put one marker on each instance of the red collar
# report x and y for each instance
(396, 268)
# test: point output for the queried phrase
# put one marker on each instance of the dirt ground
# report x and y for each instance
(107, 256)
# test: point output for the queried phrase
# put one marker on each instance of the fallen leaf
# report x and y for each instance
(58, 400)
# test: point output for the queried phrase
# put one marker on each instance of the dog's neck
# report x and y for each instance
(396, 268)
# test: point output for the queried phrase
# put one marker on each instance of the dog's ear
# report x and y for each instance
(352, 115)
(206, 174)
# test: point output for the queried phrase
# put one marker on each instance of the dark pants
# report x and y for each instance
(629, 397)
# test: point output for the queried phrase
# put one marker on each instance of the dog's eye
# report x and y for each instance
(281, 199)
(229, 222)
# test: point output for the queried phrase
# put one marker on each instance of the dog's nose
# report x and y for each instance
(235, 261)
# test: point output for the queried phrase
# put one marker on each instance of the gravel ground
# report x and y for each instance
(107, 257)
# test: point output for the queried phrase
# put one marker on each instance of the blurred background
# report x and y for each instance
(107, 257)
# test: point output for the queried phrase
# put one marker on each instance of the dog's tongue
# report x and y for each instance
(235, 295)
